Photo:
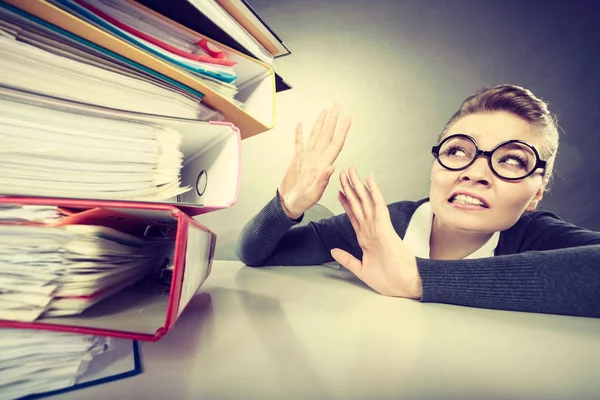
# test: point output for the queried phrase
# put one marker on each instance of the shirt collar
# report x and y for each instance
(418, 234)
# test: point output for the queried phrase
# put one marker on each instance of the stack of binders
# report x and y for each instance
(252, 107)
(117, 127)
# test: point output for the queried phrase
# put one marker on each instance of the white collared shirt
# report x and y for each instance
(418, 234)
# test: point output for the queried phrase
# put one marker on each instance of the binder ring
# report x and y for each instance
(201, 183)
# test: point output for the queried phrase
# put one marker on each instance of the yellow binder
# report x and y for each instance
(256, 79)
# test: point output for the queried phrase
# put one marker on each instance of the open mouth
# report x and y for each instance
(466, 200)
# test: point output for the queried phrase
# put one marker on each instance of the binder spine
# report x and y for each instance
(239, 145)
(179, 262)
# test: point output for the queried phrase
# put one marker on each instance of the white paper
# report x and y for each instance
(125, 159)
(108, 8)
(196, 270)
(122, 260)
(34, 69)
(34, 361)
(219, 16)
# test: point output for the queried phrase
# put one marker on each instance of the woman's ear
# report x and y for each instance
(536, 198)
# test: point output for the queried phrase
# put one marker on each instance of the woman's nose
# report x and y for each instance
(478, 172)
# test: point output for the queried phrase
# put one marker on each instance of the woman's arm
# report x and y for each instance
(268, 238)
(557, 272)
(564, 281)
(271, 238)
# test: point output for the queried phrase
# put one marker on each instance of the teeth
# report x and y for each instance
(463, 199)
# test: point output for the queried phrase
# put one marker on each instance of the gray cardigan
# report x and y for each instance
(542, 263)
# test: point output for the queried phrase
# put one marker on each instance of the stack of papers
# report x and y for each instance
(63, 269)
(131, 22)
(50, 152)
(33, 362)
(39, 361)
(38, 57)
(26, 213)
(152, 34)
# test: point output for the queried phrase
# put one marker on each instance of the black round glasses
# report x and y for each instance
(510, 160)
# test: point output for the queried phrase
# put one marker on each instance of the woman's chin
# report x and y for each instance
(467, 223)
(466, 218)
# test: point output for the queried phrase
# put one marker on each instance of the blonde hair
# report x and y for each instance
(521, 103)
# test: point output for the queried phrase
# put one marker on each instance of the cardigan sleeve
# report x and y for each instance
(557, 271)
(271, 238)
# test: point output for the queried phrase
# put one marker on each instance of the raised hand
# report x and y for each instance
(312, 165)
(388, 266)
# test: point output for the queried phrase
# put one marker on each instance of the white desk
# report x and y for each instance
(317, 333)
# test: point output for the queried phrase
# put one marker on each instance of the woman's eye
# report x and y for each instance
(456, 152)
(514, 161)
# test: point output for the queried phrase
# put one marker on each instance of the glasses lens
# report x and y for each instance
(457, 152)
(513, 160)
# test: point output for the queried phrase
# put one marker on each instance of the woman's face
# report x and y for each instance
(506, 200)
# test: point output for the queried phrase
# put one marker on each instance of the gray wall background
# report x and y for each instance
(401, 68)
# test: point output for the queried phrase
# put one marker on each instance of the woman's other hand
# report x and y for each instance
(388, 266)
(312, 165)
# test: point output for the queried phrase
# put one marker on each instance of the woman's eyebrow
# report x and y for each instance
(515, 146)
(461, 132)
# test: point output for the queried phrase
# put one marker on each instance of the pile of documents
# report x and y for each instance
(26, 213)
(37, 57)
(86, 119)
(60, 269)
(153, 35)
(111, 139)
(49, 152)
(33, 362)
(124, 56)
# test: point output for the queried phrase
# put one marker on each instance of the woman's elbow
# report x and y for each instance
(245, 257)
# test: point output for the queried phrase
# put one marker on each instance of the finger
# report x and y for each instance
(381, 208)
(348, 261)
(323, 179)
(351, 196)
(328, 174)
(316, 130)
(346, 206)
(299, 143)
(328, 128)
(362, 192)
(336, 145)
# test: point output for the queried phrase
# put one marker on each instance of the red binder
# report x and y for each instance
(137, 312)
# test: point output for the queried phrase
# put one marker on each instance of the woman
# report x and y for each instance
(476, 241)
